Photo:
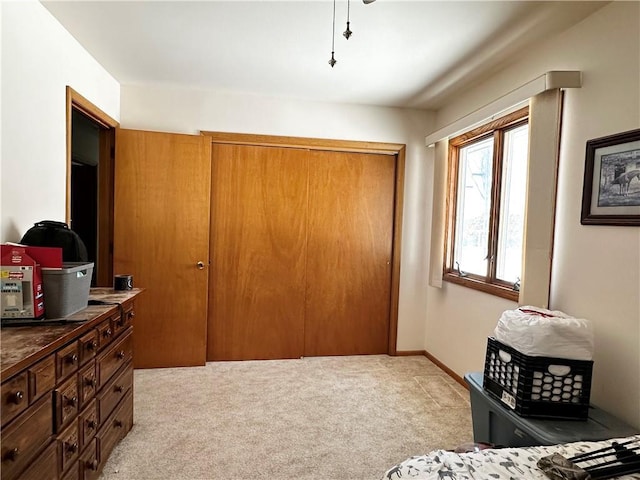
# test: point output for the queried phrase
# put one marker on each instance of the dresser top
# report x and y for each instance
(21, 346)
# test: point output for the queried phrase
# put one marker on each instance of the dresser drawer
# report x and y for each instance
(42, 378)
(87, 383)
(45, 466)
(125, 320)
(14, 397)
(105, 333)
(89, 462)
(25, 437)
(113, 392)
(66, 403)
(88, 424)
(114, 357)
(115, 429)
(68, 447)
(72, 474)
(67, 360)
(88, 346)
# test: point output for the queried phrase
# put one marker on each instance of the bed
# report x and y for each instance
(507, 463)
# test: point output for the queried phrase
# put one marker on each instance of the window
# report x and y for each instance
(487, 196)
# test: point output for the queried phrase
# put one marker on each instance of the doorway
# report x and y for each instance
(90, 164)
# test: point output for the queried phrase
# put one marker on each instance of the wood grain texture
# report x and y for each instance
(303, 142)
(258, 246)
(350, 241)
(104, 260)
(398, 210)
(161, 217)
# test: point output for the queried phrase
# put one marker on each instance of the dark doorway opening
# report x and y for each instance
(85, 157)
(90, 189)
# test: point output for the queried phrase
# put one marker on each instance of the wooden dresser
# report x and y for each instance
(67, 391)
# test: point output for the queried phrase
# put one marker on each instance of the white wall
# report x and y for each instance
(596, 269)
(39, 59)
(189, 111)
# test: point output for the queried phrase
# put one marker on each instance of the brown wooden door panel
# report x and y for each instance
(350, 239)
(161, 218)
(258, 246)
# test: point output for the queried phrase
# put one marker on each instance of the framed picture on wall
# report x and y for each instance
(611, 191)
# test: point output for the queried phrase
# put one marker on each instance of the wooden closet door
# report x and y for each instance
(258, 245)
(161, 232)
(349, 252)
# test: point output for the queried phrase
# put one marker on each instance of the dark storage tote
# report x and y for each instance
(497, 424)
(544, 387)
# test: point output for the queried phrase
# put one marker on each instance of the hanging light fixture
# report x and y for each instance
(347, 33)
(333, 61)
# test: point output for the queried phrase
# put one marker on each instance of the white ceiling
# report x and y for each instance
(402, 53)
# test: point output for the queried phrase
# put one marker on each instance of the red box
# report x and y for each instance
(46, 257)
(21, 278)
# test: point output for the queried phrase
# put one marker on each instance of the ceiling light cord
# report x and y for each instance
(333, 61)
(347, 33)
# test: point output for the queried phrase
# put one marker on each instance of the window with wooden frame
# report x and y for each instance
(486, 205)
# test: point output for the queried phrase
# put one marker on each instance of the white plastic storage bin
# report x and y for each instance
(66, 289)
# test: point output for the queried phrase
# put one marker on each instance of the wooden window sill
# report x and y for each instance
(481, 285)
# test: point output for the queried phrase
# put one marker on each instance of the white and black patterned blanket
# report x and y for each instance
(492, 464)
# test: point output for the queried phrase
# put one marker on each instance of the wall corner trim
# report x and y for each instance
(446, 369)
(516, 98)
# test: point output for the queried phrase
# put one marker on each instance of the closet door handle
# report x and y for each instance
(200, 265)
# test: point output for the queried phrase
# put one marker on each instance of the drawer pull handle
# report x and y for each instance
(12, 454)
(131, 314)
(118, 423)
(90, 382)
(72, 359)
(107, 333)
(92, 345)
(91, 424)
(120, 354)
(92, 464)
(71, 447)
(17, 397)
(71, 402)
(118, 388)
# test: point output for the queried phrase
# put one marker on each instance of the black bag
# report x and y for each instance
(48, 233)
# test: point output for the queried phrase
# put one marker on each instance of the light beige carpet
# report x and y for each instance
(324, 418)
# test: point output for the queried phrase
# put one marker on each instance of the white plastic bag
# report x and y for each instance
(545, 333)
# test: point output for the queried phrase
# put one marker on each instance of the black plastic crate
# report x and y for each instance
(537, 386)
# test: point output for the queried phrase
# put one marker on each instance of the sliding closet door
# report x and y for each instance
(349, 253)
(258, 247)
(161, 232)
